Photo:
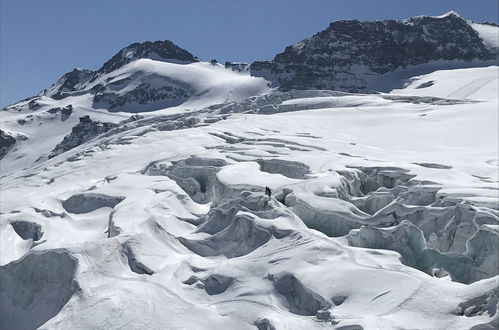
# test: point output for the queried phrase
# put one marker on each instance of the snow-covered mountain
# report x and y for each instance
(352, 55)
(132, 197)
(143, 77)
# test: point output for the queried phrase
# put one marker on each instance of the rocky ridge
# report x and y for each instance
(349, 54)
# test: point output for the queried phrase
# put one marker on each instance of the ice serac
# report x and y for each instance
(478, 262)
(196, 175)
(350, 54)
(35, 288)
(300, 300)
(483, 248)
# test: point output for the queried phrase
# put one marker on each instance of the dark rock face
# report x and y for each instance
(141, 95)
(6, 142)
(65, 112)
(158, 50)
(237, 66)
(86, 130)
(70, 82)
(345, 54)
(33, 105)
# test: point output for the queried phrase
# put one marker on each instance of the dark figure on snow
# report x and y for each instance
(213, 62)
(268, 192)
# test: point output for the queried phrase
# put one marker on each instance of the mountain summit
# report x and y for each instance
(164, 51)
(351, 55)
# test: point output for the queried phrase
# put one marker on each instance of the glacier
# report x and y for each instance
(143, 206)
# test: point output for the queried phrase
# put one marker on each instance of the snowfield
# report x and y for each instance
(383, 215)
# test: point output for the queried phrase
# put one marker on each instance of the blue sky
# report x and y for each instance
(40, 40)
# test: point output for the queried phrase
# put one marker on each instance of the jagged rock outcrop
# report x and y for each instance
(86, 130)
(65, 112)
(7, 141)
(146, 92)
(68, 83)
(349, 53)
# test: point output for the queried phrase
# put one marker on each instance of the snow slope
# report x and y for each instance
(383, 215)
(488, 33)
(473, 83)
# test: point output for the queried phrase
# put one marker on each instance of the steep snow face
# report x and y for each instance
(474, 84)
(353, 56)
(489, 33)
(383, 210)
(147, 85)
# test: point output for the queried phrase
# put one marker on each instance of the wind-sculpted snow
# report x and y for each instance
(241, 237)
(382, 214)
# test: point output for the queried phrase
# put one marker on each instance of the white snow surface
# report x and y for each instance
(146, 255)
(473, 83)
(488, 33)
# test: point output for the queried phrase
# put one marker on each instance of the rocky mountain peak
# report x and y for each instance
(81, 79)
(350, 52)
(156, 50)
(69, 82)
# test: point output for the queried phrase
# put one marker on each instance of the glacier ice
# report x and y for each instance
(35, 288)
(383, 213)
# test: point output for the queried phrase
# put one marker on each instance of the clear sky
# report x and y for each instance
(40, 40)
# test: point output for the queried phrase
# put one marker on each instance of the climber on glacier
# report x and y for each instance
(267, 196)
(268, 192)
